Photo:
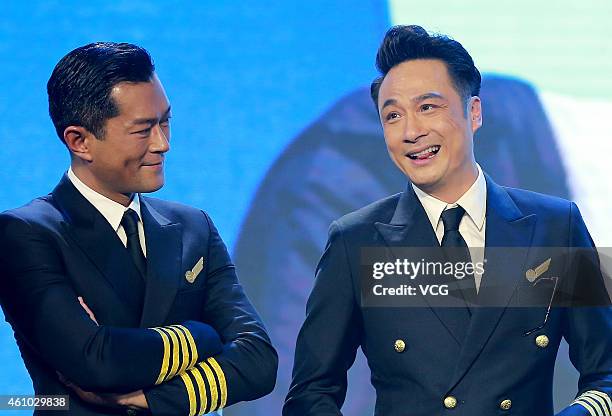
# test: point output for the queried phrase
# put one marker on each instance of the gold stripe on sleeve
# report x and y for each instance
(175, 353)
(190, 393)
(184, 351)
(603, 398)
(589, 405)
(212, 384)
(166, 358)
(222, 382)
(192, 345)
(201, 391)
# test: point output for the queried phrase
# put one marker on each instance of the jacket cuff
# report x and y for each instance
(595, 402)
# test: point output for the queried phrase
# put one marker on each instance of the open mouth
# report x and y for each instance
(428, 153)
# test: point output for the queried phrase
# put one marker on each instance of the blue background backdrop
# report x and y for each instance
(244, 80)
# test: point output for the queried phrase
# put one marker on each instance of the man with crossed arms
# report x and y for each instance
(123, 302)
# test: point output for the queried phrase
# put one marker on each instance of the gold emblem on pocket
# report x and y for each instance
(191, 275)
(533, 274)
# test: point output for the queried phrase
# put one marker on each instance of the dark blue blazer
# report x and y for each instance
(480, 361)
(339, 164)
(59, 247)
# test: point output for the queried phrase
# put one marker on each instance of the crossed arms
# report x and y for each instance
(42, 306)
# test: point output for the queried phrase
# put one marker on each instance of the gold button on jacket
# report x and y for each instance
(450, 402)
(542, 341)
(505, 404)
(399, 345)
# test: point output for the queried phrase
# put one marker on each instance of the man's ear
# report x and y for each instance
(475, 112)
(78, 140)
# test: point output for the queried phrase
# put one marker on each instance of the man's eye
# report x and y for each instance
(144, 132)
(392, 115)
(427, 107)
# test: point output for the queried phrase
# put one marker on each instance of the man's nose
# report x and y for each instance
(160, 142)
(415, 129)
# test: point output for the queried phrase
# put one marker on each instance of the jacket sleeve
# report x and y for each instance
(329, 338)
(588, 327)
(246, 367)
(39, 302)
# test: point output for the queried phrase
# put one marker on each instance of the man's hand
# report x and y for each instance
(89, 312)
(135, 399)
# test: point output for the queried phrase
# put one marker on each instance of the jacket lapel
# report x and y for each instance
(410, 227)
(506, 226)
(100, 244)
(164, 252)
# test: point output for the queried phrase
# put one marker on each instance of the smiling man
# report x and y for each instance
(485, 350)
(122, 302)
(428, 124)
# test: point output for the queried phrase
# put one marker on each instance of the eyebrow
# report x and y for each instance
(417, 99)
(388, 102)
(427, 96)
(150, 120)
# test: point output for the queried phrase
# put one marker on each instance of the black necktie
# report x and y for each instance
(459, 250)
(130, 225)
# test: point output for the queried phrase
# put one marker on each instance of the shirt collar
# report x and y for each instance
(473, 201)
(111, 210)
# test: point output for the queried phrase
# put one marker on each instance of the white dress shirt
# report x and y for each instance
(111, 210)
(472, 225)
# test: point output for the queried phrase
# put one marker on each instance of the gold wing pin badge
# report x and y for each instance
(190, 275)
(533, 274)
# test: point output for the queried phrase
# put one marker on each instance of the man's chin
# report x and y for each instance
(427, 187)
(424, 182)
(151, 187)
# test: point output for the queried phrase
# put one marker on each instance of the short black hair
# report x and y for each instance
(406, 43)
(80, 86)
